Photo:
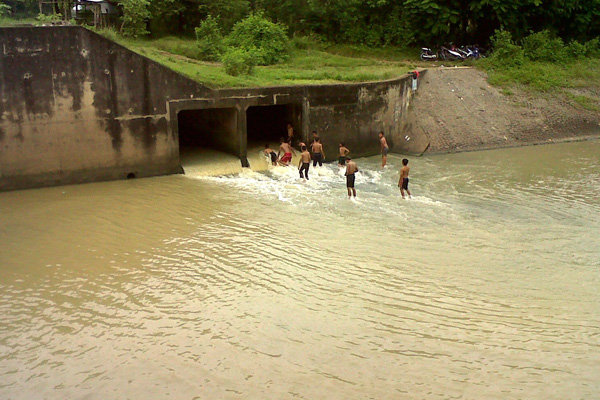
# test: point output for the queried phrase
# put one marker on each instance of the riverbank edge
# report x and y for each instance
(458, 110)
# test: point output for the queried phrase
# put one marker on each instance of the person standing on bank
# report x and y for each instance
(384, 149)
(318, 153)
(304, 163)
(403, 182)
(343, 153)
(351, 169)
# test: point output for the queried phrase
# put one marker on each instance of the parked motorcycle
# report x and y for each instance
(428, 55)
(450, 54)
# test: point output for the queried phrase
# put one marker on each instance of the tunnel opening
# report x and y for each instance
(214, 128)
(267, 124)
(209, 141)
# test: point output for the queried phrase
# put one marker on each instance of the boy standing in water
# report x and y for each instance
(304, 163)
(290, 131)
(269, 152)
(403, 182)
(287, 150)
(384, 149)
(351, 169)
(318, 153)
(343, 153)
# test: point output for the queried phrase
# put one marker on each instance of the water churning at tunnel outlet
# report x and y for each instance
(258, 285)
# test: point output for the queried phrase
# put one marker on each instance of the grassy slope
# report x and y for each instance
(315, 65)
(578, 80)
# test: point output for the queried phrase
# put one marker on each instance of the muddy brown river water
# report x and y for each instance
(259, 286)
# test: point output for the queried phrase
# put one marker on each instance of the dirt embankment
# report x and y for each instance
(455, 109)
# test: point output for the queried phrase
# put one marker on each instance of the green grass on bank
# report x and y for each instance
(568, 78)
(542, 76)
(313, 65)
(5, 22)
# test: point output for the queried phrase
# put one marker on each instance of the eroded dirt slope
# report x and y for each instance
(457, 110)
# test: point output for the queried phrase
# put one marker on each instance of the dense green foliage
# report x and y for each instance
(370, 22)
(238, 61)
(4, 9)
(264, 40)
(540, 46)
(210, 39)
(135, 16)
(543, 62)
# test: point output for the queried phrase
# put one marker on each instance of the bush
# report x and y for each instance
(43, 18)
(238, 61)
(301, 42)
(575, 50)
(592, 48)
(266, 40)
(541, 46)
(109, 33)
(210, 39)
(505, 50)
(4, 9)
(135, 15)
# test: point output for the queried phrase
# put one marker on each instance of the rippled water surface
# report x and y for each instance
(257, 285)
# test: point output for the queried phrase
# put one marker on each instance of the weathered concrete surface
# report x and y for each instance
(352, 113)
(75, 107)
(457, 110)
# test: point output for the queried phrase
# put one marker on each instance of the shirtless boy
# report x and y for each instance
(290, 131)
(269, 152)
(351, 169)
(318, 153)
(403, 182)
(314, 135)
(287, 150)
(343, 153)
(384, 149)
(304, 163)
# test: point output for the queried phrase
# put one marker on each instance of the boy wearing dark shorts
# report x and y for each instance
(304, 163)
(269, 152)
(351, 169)
(318, 153)
(343, 153)
(403, 182)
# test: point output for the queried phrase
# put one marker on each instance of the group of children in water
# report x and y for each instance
(318, 154)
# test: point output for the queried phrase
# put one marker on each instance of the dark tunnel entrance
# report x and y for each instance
(215, 128)
(267, 124)
(204, 136)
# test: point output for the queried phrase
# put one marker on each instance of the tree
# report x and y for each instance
(135, 16)
(229, 12)
(266, 41)
(4, 9)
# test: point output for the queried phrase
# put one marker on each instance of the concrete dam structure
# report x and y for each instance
(76, 107)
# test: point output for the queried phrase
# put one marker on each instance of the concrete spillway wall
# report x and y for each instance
(76, 107)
